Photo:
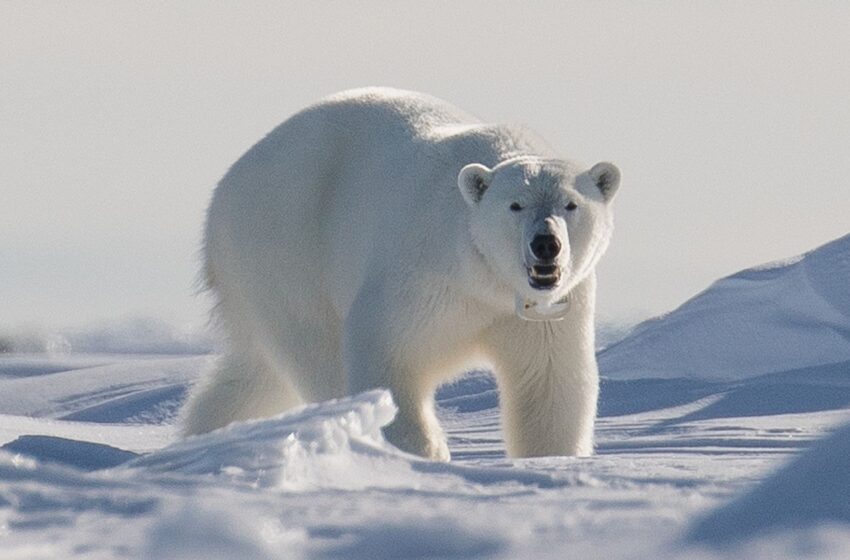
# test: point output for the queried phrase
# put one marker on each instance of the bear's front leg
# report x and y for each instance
(549, 385)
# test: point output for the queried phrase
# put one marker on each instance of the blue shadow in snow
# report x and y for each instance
(147, 406)
(81, 455)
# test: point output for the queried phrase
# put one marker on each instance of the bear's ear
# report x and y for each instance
(606, 178)
(473, 180)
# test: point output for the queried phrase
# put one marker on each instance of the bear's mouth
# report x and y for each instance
(544, 276)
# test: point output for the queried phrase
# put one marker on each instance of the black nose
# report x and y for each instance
(545, 247)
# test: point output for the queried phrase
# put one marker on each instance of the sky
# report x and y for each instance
(730, 123)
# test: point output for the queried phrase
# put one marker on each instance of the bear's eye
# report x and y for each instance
(516, 207)
(572, 206)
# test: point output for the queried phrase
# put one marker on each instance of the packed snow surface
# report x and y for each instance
(716, 452)
(813, 489)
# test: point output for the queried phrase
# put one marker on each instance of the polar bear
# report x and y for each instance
(384, 238)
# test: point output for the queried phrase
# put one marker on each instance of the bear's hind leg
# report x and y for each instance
(240, 388)
(416, 428)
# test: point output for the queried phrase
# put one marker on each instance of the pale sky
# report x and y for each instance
(729, 120)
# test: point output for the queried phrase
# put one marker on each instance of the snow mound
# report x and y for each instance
(811, 490)
(788, 315)
(334, 444)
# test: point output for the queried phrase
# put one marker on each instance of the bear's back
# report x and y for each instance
(355, 184)
(391, 111)
(390, 117)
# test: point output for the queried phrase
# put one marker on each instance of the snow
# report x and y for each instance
(710, 445)
(813, 489)
(788, 315)
(82, 455)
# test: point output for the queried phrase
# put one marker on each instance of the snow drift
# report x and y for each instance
(781, 316)
(334, 444)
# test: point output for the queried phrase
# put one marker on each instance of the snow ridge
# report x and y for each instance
(335, 444)
(790, 315)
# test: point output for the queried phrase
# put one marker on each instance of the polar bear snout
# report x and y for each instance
(545, 253)
(543, 271)
(545, 247)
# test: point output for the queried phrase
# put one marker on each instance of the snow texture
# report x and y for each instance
(749, 463)
(813, 489)
(317, 446)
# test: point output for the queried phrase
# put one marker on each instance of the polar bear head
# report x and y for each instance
(541, 225)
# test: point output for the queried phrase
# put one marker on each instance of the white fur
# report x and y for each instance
(347, 251)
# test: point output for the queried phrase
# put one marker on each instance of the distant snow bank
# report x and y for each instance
(787, 315)
(137, 335)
